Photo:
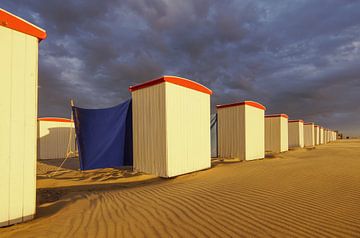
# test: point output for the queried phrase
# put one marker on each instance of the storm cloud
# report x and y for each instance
(296, 57)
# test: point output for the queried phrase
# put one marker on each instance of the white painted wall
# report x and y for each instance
(18, 109)
(296, 134)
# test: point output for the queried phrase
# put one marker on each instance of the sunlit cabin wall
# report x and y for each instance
(18, 110)
(54, 138)
(171, 130)
(317, 134)
(321, 135)
(309, 135)
(296, 134)
(276, 134)
(254, 133)
(241, 132)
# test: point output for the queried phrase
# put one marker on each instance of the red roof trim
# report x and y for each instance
(296, 121)
(249, 103)
(309, 123)
(277, 115)
(55, 119)
(174, 80)
(16, 23)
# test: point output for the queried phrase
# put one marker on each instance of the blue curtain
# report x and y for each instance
(104, 136)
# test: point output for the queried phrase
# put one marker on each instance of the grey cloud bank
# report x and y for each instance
(296, 57)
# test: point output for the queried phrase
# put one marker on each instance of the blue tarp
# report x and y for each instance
(104, 136)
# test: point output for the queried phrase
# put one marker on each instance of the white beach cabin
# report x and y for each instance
(241, 130)
(276, 133)
(171, 126)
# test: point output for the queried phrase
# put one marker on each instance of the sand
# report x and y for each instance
(300, 193)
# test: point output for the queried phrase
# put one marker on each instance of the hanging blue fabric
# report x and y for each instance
(104, 136)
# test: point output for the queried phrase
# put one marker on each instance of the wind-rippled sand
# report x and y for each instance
(301, 193)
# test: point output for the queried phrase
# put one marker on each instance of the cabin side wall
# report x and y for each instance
(284, 134)
(254, 133)
(309, 137)
(188, 130)
(231, 132)
(18, 108)
(272, 134)
(149, 130)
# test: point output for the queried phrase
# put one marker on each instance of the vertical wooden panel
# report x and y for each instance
(273, 134)
(17, 126)
(284, 134)
(149, 130)
(187, 130)
(30, 135)
(309, 138)
(5, 108)
(294, 134)
(231, 129)
(254, 133)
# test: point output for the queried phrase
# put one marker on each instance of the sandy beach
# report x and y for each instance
(300, 193)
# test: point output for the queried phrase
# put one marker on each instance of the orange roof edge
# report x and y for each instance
(309, 123)
(249, 103)
(277, 115)
(174, 80)
(296, 121)
(55, 119)
(16, 23)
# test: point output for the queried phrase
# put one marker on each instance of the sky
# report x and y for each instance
(299, 57)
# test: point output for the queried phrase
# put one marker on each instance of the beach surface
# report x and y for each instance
(300, 193)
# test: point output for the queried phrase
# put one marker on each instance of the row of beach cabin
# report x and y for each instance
(170, 118)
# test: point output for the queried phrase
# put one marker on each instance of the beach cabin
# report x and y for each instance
(241, 130)
(276, 133)
(171, 126)
(19, 42)
(317, 134)
(296, 133)
(56, 138)
(309, 134)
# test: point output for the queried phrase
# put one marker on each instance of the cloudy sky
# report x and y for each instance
(297, 57)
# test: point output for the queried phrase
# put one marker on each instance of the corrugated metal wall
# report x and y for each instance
(317, 135)
(18, 108)
(254, 133)
(231, 132)
(296, 134)
(53, 139)
(321, 136)
(272, 134)
(276, 134)
(284, 122)
(188, 130)
(309, 135)
(149, 130)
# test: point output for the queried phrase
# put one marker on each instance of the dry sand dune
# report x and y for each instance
(301, 193)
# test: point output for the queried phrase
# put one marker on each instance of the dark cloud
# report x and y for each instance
(296, 57)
